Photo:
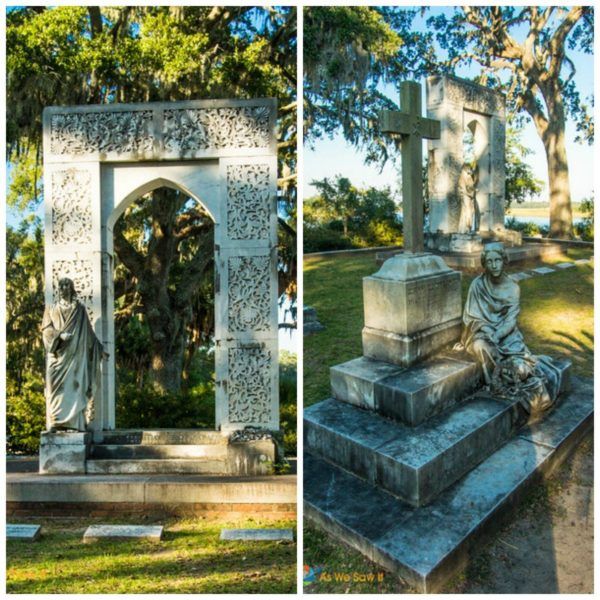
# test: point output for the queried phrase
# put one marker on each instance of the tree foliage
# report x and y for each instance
(85, 55)
(349, 51)
(349, 216)
(521, 183)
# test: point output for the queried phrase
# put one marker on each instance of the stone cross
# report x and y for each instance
(413, 128)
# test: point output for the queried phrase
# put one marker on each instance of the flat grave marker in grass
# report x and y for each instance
(29, 533)
(565, 265)
(583, 261)
(521, 276)
(258, 535)
(543, 270)
(95, 533)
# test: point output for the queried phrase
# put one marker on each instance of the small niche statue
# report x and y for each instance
(491, 336)
(73, 357)
(469, 210)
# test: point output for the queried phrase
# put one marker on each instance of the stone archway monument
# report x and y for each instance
(223, 153)
(461, 105)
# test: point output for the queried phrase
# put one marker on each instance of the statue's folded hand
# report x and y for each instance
(65, 335)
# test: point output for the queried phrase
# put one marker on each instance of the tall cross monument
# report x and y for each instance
(413, 303)
(413, 128)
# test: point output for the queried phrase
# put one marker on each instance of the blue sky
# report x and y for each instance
(334, 156)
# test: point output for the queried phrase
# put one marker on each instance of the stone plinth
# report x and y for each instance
(412, 308)
(465, 242)
(64, 451)
(95, 533)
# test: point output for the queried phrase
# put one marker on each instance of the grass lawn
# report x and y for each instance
(556, 318)
(190, 559)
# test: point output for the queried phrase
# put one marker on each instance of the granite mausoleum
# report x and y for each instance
(221, 153)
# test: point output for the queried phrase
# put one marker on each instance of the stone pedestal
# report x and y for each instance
(64, 451)
(465, 242)
(412, 308)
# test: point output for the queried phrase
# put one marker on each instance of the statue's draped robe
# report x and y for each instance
(72, 366)
(490, 314)
(466, 189)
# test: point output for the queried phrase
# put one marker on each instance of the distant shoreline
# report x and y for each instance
(538, 211)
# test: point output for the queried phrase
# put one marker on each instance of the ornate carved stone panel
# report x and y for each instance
(203, 128)
(248, 201)
(71, 207)
(473, 97)
(122, 132)
(498, 155)
(249, 293)
(249, 384)
(81, 273)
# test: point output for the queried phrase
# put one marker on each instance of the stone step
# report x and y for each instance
(411, 395)
(414, 463)
(426, 546)
(160, 437)
(181, 465)
(137, 451)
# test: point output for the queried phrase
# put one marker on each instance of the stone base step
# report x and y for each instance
(160, 436)
(182, 465)
(157, 451)
(411, 395)
(425, 546)
(414, 463)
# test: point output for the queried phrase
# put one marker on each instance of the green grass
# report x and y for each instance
(190, 559)
(556, 318)
(556, 313)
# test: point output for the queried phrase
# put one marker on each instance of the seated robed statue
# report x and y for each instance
(73, 358)
(491, 336)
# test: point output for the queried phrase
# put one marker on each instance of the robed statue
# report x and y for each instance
(73, 357)
(491, 336)
(469, 217)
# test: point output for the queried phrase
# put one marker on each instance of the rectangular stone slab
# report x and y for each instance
(543, 270)
(565, 265)
(415, 463)
(427, 545)
(520, 276)
(425, 389)
(258, 535)
(95, 533)
(23, 532)
(354, 381)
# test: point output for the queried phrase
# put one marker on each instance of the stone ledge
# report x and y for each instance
(426, 546)
(414, 463)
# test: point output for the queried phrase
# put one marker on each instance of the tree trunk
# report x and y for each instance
(167, 364)
(561, 216)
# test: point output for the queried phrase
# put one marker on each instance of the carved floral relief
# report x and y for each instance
(248, 201)
(71, 207)
(249, 385)
(249, 293)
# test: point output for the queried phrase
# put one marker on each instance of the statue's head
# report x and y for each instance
(493, 259)
(66, 288)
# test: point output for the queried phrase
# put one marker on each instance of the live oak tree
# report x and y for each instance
(536, 73)
(86, 55)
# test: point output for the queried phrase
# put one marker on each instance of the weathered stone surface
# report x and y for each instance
(151, 489)
(96, 533)
(415, 463)
(64, 452)
(461, 242)
(409, 394)
(565, 265)
(311, 322)
(222, 457)
(148, 437)
(28, 533)
(258, 535)
(543, 270)
(427, 545)
(426, 389)
(354, 381)
(406, 350)
(411, 293)
(582, 261)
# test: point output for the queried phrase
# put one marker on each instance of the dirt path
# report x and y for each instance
(549, 547)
